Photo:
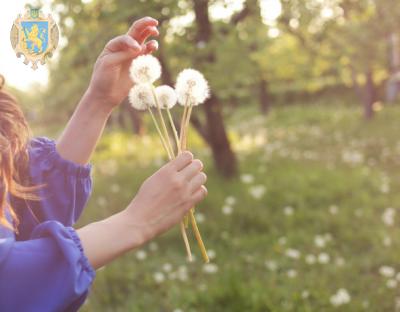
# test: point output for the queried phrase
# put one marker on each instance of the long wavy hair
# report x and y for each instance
(14, 158)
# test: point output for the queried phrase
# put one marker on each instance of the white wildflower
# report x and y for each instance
(292, 273)
(333, 209)
(292, 253)
(230, 200)
(166, 96)
(191, 87)
(305, 294)
(227, 210)
(210, 268)
(271, 265)
(200, 218)
(257, 191)
(288, 210)
(387, 271)
(323, 258)
(247, 178)
(211, 254)
(159, 277)
(167, 267)
(311, 259)
(341, 297)
(182, 273)
(141, 255)
(145, 69)
(320, 241)
(141, 97)
(391, 283)
(388, 216)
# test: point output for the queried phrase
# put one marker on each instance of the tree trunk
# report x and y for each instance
(135, 117)
(264, 96)
(223, 155)
(369, 95)
(137, 121)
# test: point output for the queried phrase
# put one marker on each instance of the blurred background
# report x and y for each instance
(300, 140)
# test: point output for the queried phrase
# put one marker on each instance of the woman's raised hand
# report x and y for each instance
(110, 82)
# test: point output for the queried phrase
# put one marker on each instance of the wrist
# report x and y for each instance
(96, 105)
(136, 234)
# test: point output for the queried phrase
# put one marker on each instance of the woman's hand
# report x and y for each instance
(109, 85)
(161, 202)
(110, 82)
(166, 196)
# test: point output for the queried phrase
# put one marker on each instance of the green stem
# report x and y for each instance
(159, 133)
(171, 121)
(162, 120)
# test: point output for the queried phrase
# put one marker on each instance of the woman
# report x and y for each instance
(46, 264)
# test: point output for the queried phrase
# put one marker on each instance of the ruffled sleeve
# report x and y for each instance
(48, 272)
(66, 185)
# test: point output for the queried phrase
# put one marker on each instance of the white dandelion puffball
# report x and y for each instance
(166, 96)
(145, 69)
(191, 87)
(141, 97)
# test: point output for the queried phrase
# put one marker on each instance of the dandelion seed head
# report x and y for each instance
(210, 268)
(166, 96)
(387, 271)
(341, 297)
(391, 284)
(159, 277)
(191, 87)
(323, 258)
(292, 273)
(141, 255)
(141, 97)
(145, 69)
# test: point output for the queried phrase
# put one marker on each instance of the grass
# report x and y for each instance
(315, 181)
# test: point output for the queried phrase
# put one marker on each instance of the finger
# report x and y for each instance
(137, 27)
(199, 195)
(198, 181)
(146, 33)
(192, 170)
(123, 42)
(149, 47)
(181, 161)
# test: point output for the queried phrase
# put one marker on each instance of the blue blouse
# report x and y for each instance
(43, 267)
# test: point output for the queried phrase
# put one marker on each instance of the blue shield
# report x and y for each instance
(36, 36)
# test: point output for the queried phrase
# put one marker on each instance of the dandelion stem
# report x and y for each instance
(171, 154)
(198, 237)
(183, 122)
(183, 140)
(171, 121)
(159, 133)
(162, 120)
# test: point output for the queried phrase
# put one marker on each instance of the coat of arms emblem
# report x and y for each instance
(34, 36)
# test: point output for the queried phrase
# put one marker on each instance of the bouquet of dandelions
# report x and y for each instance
(191, 90)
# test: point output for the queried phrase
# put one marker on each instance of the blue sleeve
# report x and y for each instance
(49, 272)
(66, 185)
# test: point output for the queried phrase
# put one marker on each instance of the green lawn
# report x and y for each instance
(314, 210)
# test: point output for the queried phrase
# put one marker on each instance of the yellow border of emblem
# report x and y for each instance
(33, 14)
